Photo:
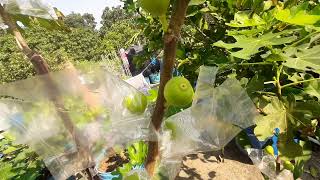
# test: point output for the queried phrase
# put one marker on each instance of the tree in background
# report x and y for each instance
(80, 44)
(76, 20)
(111, 16)
(121, 34)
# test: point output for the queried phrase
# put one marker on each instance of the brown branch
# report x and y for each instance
(41, 67)
(39, 64)
(171, 39)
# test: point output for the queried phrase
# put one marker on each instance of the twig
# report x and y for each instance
(277, 80)
(171, 38)
(267, 93)
(299, 82)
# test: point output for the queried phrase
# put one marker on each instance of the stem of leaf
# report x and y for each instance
(267, 93)
(277, 80)
(299, 82)
(269, 82)
(301, 40)
(257, 63)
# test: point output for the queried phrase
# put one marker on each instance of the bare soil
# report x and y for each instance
(236, 166)
(205, 166)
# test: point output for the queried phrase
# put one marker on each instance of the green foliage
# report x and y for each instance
(250, 45)
(19, 162)
(76, 20)
(55, 46)
(243, 19)
(13, 65)
(303, 58)
(79, 44)
(276, 118)
(137, 153)
(121, 34)
(111, 16)
(299, 15)
(298, 169)
(272, 47)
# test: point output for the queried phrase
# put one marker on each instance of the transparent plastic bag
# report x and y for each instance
(214, 118)
(168, 168)
(69, 117)
(180, 136)
(36, 8)
(267, 165)
(217, 115)
(139, 82)
(138, 174)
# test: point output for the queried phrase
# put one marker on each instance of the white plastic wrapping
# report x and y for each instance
(267, 165)
(36, 8)
(69, 117)
(217, 115)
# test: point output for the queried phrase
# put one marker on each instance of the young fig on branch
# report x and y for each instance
(178, 92)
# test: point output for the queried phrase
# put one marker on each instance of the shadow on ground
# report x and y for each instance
(206, 165)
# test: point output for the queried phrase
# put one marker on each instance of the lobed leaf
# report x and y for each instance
(243, 19)
(303, 59)
(251, 45)
(297, 16)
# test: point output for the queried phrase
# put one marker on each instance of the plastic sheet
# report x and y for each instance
(138, 174)
(267, 165)
(214, 118)
(140, 83)
(217, 115)
(69, 117)
(36, 8)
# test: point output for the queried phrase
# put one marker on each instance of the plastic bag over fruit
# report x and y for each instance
(216, 116)
(69, 117)
(267, 165)
(36, 8)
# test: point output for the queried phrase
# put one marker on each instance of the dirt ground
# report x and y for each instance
(205, 166)
(236, 166)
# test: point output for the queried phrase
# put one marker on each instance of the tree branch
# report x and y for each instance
(171, 39)
(41, 68)
(38, 62)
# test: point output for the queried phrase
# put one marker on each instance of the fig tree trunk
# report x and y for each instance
(171, 39)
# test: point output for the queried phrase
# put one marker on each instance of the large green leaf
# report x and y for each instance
(303, 59)
(243, 19)
(251, 45)
(279, 116)
(289, 150)
(296, 15)
(313, 88)
(254, 85)
(276, 118)
(6, 171)
(307, 107)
